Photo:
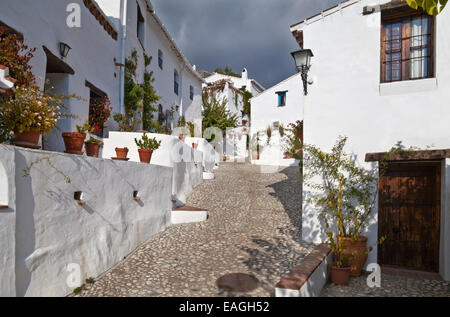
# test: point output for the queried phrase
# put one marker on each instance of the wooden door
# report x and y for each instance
(409, 215)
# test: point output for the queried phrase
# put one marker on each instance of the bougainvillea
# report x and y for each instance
(15, 55)
(100, 113)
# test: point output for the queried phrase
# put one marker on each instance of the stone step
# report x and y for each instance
(188, 214)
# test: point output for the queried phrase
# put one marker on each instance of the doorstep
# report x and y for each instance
(389, 270)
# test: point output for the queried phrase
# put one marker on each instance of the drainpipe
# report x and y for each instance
(123, 25)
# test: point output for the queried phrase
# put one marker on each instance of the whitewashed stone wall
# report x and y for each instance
(44, 230)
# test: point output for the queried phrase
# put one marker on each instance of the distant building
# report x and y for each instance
(244, 81)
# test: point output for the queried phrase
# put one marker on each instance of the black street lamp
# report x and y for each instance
(303, 62)
(64, 49)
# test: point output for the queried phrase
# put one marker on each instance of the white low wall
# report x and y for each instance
(185, 161)
(44, 230)
(210, 156)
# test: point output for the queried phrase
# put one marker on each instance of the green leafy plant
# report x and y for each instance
(293, 141)
(92, 140)
(432, 7)
(216, 114)
(85, 128)
(227, 71)
(101, 112)
(246, 100)
(147, 143)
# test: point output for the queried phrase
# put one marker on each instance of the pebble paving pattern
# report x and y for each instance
(254, 227)
(391, 286)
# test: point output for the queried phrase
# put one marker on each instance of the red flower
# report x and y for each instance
(96, 127)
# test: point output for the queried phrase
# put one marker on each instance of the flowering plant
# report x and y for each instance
(31, 110)
(95, 141)
(100, 114)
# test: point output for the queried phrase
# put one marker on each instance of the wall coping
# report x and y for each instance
(300, 274)
(409, 156)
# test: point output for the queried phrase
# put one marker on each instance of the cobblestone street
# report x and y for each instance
(391, 286)
(253, 227)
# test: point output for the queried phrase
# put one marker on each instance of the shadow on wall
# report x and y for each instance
(25, 228)
(289, 193)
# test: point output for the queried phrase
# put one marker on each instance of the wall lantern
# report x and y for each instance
(64, 49)
(136, 196)
(303, 63)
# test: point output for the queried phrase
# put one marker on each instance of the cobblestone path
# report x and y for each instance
(391, 286)
(253, 227)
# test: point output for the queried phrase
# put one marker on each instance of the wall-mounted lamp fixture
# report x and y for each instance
(79, 198)
(302, 60)
(64, 49)
(136, 196)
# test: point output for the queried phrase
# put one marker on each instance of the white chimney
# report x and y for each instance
(244, 74)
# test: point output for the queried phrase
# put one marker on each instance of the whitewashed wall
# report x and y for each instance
(92, 56)
(185, 161)
(265, 112)
(210, 156)
(51, 231)
(348, 99)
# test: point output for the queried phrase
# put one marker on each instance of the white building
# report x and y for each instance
(244, 81)
(381, 75)
(176, 80)
(88, 70)
(107, 34)
(224, 90)
(277, 106)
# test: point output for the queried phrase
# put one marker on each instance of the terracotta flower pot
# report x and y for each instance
(121, 152)
(357, 249)
(194, 145)
(288, 155)
(74, 142)
(145, 155)
(92, 149)
(244, 122)
(181, 137)
(27, 139)
(340, 276)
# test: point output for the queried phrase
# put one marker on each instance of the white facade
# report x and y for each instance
(346, 98)
(266, 111)
(250, 85)
(155, 41)
(43, 23)
(224, 90)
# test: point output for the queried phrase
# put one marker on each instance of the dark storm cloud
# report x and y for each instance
(239, 33)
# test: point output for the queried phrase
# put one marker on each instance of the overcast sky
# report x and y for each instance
(239, 33)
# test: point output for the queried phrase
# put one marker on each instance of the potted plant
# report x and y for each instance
(287, 155)
(146, 147)
(346, 196)
(93, 146)
(29, 114)
(121, 153)
(181, 137)
(269, 131)
(74, 141)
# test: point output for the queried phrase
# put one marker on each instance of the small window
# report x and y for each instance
(191, 93)
(407, 47)
(175, 82)
(281, 98)
(140, 26)
(160, 115)
(160, 59)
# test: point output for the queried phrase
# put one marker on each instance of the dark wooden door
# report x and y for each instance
(409, 215)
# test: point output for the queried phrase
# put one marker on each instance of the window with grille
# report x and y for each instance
(407, 48)
(191, 92)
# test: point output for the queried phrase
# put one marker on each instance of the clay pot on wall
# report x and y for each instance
(194, 145)
(340, 276)
(244, 122)
(287, 155)
(27, 139)
(145, 155)
(92, 149)
(121, 152)
(357, 249)
(74, 142)
(181, 137)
